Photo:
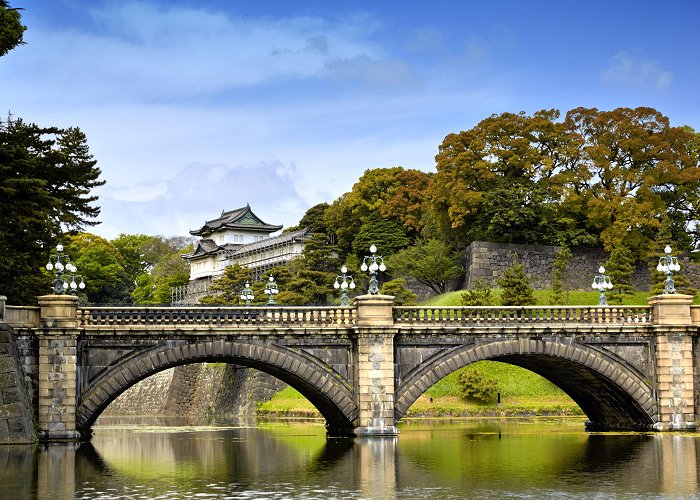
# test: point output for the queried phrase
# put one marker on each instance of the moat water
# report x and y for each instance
(507, 458)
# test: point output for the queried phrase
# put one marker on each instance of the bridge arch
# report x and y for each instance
(610, 392)
(323, 387)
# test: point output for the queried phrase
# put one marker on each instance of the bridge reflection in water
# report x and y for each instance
(491, 459)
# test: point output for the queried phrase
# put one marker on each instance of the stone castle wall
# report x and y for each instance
(16, 414)
(198, 390)
(488, 261)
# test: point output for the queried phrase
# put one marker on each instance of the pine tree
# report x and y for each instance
(516, 287)
(480, 295)
(620, 267)
(559, 276)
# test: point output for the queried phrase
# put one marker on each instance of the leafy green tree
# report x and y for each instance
(101, 265)
(516, 289)
(431, 262)
(560, 276)
(153, 287)
(620, 268)
(481, 295)
(46, 176)
(399, 289)
(11, 28)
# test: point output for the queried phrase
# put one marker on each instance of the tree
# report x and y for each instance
(376, 196)
(481, 295)
(399, 289)
(620, 267)
(431, 262)
(494, 181)
(101, 265)
(11, 28)
(516, 289)
(560, 275)
(227, 288)
(46, 177)
(386, 234)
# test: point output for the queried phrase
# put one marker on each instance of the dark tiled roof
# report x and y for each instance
(204, 247)
(282, 239)
(241, 218)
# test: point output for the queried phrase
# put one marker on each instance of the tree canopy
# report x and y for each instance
(591, 179)
(46, 180)
(11, 28)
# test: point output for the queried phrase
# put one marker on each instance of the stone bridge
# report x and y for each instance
(627, 367)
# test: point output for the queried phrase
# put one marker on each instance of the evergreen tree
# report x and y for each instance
(560, 277)
(516, 286)
(402, 295)
(226, 289)
(46, 176)
(620, 267)
(11, 28)
(431, 262)
(480, 295)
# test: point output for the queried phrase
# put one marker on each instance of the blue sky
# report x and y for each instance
(196, 106)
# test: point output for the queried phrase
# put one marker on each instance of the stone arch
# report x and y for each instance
(323, 387)
(610, 392)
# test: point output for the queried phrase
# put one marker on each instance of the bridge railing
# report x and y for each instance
(297, 316)
(521, 314)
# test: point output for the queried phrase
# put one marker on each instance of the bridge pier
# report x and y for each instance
(58, 342)
(375, 366)
(675, 380)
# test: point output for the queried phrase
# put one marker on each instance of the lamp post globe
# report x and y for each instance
(373, 263)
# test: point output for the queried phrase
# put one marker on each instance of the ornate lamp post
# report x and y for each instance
(344, 282)
(376, 262)
(272, 290)
(601, 282)
(668, 264)
(247, 294)
(61, 265)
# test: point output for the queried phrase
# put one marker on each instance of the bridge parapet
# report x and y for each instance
(89, 317)
(464, 315)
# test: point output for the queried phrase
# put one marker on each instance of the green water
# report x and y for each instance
(505, 458)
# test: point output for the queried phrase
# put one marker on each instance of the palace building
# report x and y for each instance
(235, 237)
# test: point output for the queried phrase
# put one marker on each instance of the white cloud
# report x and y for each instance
(625, 69)
(200, 192)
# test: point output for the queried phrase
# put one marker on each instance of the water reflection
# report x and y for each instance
(494, 459)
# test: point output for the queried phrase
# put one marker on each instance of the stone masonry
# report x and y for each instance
(487, 261)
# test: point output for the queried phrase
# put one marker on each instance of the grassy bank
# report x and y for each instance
(522, 393)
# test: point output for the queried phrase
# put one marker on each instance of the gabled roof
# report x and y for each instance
(204, 247)
(241, 218)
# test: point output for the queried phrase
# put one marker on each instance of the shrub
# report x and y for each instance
(480, 295)
(474, 385)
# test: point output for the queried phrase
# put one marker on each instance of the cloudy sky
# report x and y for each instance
(192, 107)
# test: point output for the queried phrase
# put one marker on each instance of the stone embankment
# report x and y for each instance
(198, 390)
(16, 417)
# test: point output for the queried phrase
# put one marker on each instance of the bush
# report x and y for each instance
(474, 385)
(480, 295)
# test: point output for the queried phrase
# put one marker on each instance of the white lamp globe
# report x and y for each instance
(373, 249)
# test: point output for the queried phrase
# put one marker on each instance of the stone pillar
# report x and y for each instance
(375, 359)
(675, 381)
(58, 356)
(3, 301)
